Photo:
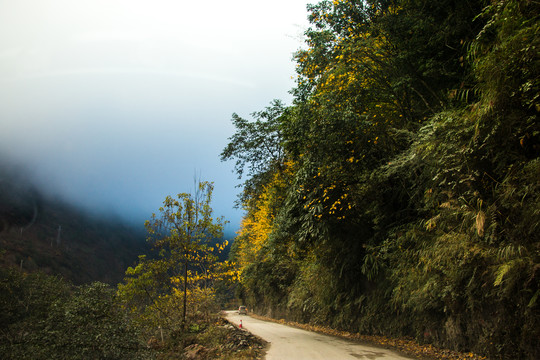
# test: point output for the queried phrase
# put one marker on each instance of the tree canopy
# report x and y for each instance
(405, 197)
(173, 289)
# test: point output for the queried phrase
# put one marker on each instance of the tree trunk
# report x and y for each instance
(185, 295)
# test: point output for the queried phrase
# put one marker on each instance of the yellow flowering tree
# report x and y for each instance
(184, 234)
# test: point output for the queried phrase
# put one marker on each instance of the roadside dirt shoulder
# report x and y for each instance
(239, 339)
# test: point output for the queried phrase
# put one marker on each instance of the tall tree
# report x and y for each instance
(184, 233)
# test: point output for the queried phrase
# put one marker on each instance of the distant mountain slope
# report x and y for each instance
(37, 232)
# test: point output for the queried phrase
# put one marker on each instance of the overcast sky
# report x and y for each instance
(115, 104)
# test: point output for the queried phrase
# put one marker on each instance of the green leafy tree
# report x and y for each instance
(183, 234)
(257, 146)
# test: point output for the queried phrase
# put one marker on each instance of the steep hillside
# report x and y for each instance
(399, 194)
(37, 232)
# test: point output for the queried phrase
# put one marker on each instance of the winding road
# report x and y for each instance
(291, 343)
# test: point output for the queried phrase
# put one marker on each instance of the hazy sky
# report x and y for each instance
(115, 104)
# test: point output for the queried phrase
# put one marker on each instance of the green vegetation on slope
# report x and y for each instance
(167, 308)
(405, 198)
(43, 317)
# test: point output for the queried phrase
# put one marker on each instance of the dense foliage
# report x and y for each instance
(44, 317)
(405, 200)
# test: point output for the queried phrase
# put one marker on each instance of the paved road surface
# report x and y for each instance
(291, 343)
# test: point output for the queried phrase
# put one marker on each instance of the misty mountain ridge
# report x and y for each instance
(40, 232)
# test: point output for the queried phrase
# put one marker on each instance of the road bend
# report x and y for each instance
(287, 342)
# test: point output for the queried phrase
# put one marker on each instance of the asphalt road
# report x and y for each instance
(291, 343)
